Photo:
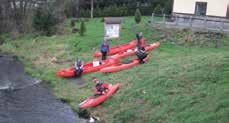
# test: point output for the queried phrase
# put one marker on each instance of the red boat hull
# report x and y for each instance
(117, 49)
(133, 51)
(87, 68)
(91, 101)
(121, 66)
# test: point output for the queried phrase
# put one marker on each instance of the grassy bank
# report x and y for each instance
(178, 84)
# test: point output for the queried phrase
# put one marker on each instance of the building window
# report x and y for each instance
(201, 8)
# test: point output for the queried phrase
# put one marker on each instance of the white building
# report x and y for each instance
(210, 8)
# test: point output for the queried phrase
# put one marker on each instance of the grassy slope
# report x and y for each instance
(178, 84)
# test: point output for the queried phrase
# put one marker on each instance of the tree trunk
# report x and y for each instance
(92, 7)
(75, 8)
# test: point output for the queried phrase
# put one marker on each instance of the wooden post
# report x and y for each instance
(205, 22)
(92, 7)
(190, 21)
(176, 20)
(152, 18)
(222, 25)
(163, 18)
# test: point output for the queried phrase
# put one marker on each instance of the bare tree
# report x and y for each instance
(18, 14)
(92, 6)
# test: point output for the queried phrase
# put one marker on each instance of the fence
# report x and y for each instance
(213, 24)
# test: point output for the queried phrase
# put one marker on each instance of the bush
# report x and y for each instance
(97, 12)
(85, 13)
(74, 30)
(157, 10)
(73, 23)
(44, 21)
(82, 28)
(137, 16)
(1, 40)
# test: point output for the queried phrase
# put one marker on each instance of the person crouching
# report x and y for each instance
(78, 68)
(101, 87)
(141, 54)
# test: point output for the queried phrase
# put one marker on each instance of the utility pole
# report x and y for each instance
(92, 7)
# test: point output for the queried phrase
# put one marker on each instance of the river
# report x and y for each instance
(24, 99)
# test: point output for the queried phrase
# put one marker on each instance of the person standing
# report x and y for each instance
(104, 47)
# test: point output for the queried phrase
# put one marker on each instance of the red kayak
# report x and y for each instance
(94, 101)
(117, 49)
(87, 68)
(133, 51)
(122, 66)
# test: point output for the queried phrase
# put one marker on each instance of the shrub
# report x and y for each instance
(97, 12)
(137, 16)
(82, 28)
(72, 23)
(157, 9)
(74, 30)
(1, 40)
(44, 21)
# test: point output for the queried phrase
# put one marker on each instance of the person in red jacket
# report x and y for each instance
(101, 87)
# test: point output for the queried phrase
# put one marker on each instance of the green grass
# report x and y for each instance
(178, 84)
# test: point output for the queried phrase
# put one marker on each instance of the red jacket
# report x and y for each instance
(142, 42)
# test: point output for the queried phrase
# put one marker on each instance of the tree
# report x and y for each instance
(82, 28)
(92, 7)
(73, 23)
(137, 16)
(44, 21)
(157, 9)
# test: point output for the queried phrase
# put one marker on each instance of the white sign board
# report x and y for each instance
(112, 30)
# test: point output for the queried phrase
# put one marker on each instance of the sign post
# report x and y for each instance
(112, 27)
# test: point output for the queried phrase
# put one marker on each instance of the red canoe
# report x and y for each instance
(133, 51)
(117, 49)
(94, 101)
(122, 66)
(87, 68)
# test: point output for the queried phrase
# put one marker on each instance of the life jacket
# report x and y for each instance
(79, 63)
(105, 45)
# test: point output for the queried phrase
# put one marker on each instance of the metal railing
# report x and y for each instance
(207, 23)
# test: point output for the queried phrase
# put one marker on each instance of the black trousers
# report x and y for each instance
(78, 72)
(104, 55)
(141, 57)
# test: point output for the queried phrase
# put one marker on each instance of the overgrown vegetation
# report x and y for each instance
(157, 10)
(44, 21)
(20, 15)
(82, 28)
(137, 16)
(103, 8)
(180, 83)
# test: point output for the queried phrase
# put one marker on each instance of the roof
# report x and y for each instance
(113, 20)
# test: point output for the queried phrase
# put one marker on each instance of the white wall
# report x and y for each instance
(214, 7)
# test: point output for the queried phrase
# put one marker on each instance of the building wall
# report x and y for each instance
(214, 7)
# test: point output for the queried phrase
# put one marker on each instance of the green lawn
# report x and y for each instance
(178, 84)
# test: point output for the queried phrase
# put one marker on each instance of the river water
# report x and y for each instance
(24, 100)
